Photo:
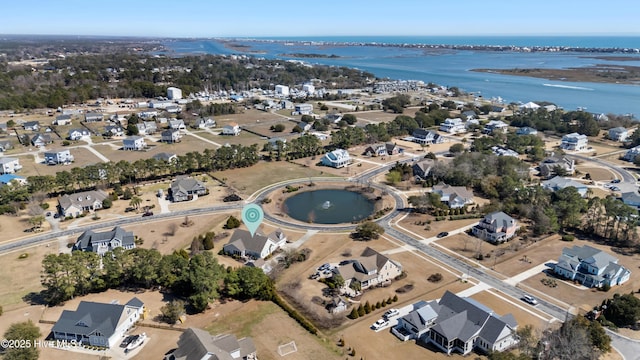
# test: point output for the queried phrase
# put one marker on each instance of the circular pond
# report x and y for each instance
(330, 206)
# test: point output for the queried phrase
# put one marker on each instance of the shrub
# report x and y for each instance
(23, 256)
(568, 237)
(395, 298)
(361, 311)
(367, 307)
(354, 313)
(435, 277)
(232, 223)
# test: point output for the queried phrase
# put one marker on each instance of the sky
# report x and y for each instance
(259, 18)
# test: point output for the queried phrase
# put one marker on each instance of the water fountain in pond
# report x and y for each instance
(326, 205)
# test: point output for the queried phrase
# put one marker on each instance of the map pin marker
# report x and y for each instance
(252, 216)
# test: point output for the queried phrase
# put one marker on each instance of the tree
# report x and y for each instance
(232, 223)
(36, 221)
(249, 283)
(623, 310)
(132, 129)
(135, 202)
(277, 128)
(172, 311)
(456, 148)
(394, 177)
(354, 313)
(368, 230)
(349, 119)
(24, 331)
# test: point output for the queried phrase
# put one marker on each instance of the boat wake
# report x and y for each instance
(569, 87)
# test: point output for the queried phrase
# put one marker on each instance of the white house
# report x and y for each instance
(58, 157)
(77, 134)
(147, 127)
(39, 140)
(282, 90)
(370, 269)
(202, 123)
(308, 88)
(231, 128)
(9, 165)
(170, 136)
(631, 154)
(177, 124)
(337, 158)
(525, 130)
(134, 143)
(93, 116)
(453, 196)
(423, 136)
(496, 126)
(303, 109)
(31, 125)
(257, 246)
(618, 134)
(591, 267)
(496, 227)
(558, 183)
(98, 324)
(453, 126)
(574, 141)
(174, 93)
(62, 120)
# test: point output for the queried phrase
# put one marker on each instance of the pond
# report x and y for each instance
(330, 206)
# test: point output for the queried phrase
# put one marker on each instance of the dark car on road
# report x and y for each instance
(443, 234)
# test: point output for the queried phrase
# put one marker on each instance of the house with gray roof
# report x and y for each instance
(549, 167)
(62, 156)
(102, 242)
(458, 324)
(9, 165)
(591, 267)
(186, 188)
(337, 158)
(93, 116)
(78, 203)
(166, 157)
(203, 123)
(62, 120)
(423, 136)
(453, 196)
(496, 227)
(5, 145)
(113, 130)
(618, 134)
(558, 183)
(98, 324)
(526, 130)
(147, 127)
(177, 124)
(77, 134)
(134, 143)
(370, 269)
(422, 168)
(631, 198)
(39, 140)
(31, 125)
(257, 246)
(198, 344)
(170, 136)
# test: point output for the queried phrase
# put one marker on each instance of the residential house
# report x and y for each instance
(305, 126)
(39, 140)
(574, 141)
(376, 150)
(631, 154)
(591, 267)
(558, 183)
(102, 242)
(273, 143)
(134, 143)
(173, 109)
(282, 90)
(469, 114)
(148, 114)
(197, 344)
(31, 125)
(453, 196)
(170, 136)
(166, 157)
(631, 198)
(370, 269)
(98, 324)
(3, 127)
(93, 116)
(337, 158)
(454, 126)
(78, 203)
(525, 130)
(113, 130)
(496, 126)
(496, 227)
(77, 134)
(147, 127)
(186, 188)
(286, 104)
(303, 109)
(177, 124)
(502, 151)
(423, 136)
(257, 246)
(174, 93)
(497, 109)
(5, 145)
(6, 179)
(9, 165)
(337, 305)
(551, 165)
(203, 123)
(62, 120)
(458, 324)
(231, 128)
(62, 156)
(422, 168)
(529, 106)
(618, 134)
(334, 118)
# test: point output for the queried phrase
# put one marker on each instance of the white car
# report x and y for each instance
(390, 313)
(530, 299)
(379, 324)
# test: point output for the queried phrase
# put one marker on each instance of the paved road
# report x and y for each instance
(628, 348)
(626, 175)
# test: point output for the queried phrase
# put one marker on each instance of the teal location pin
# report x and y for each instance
(252, 216)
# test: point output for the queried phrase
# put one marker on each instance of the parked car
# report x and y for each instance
(530, 299)
(148, 213)
(443, 234)
(390, 313)
(48, 213)
(615, 181)
(615, 188)
(379, 324)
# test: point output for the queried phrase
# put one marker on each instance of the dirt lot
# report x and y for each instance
(21, 276)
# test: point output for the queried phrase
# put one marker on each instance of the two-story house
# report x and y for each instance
(113, 130)
(591, 267)
(495, 126)
(170, 136)
(574, 142)
(134, 143)
(9, 165)
(231, 128)
(147, 127)
(77, 134)
(618, 134)
(203, 123)
(453, 126)
(550, 166)
(31, 125)
(62, 156)
(40, 140)
(177, 124)
(423, 136)
(370, 269)
(496, 227)
(337, 158)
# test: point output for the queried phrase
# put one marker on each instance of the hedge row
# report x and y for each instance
(295, 315)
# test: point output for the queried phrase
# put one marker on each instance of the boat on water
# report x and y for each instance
(137, 341)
